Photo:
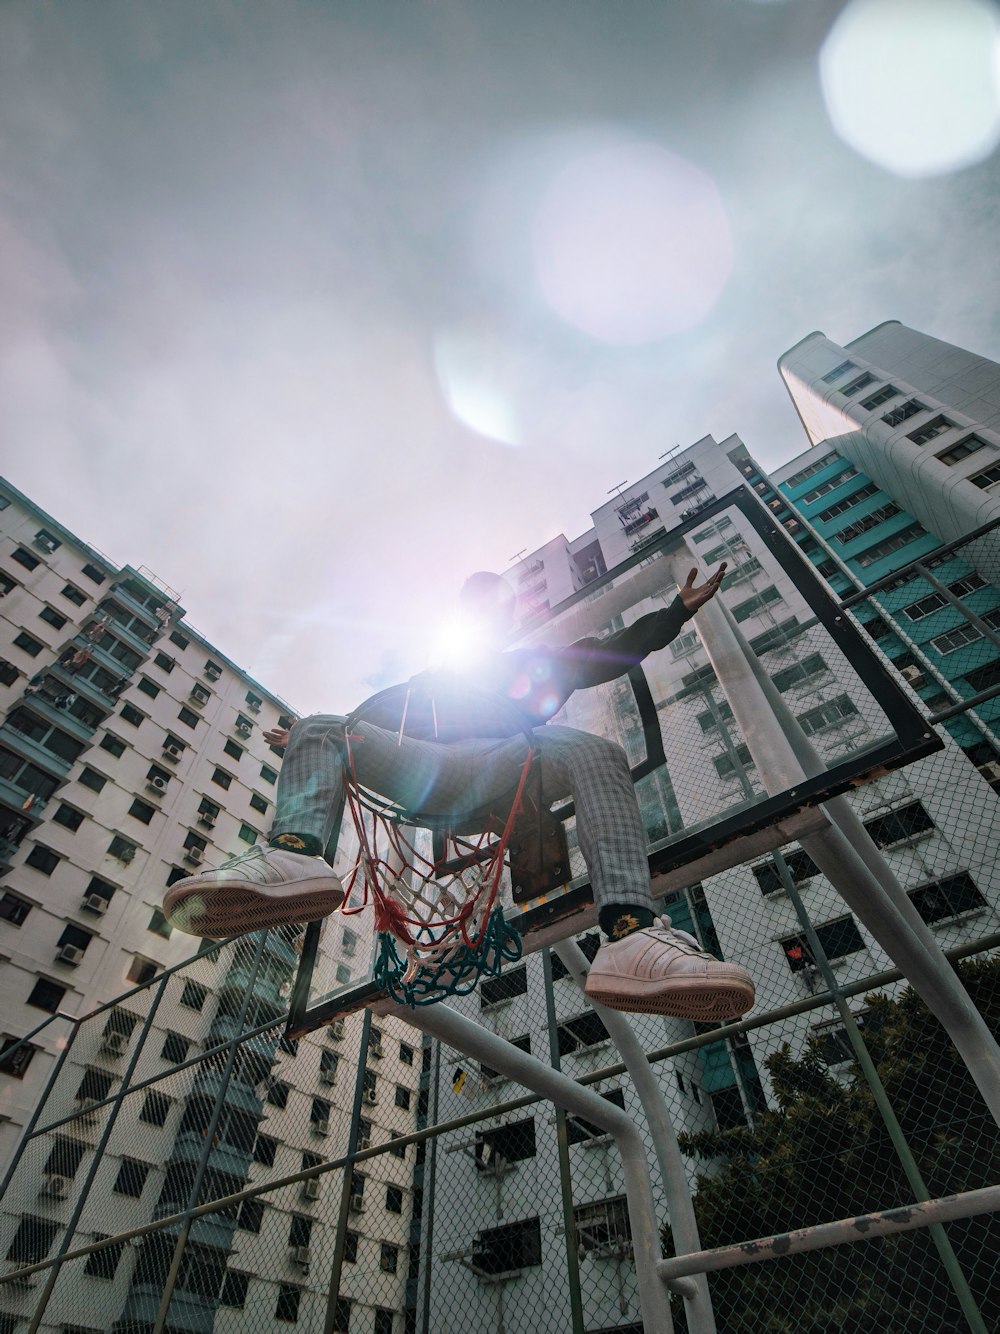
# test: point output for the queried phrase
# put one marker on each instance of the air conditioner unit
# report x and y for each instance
(114, 1043)
(384, 1265)
(357, 1204)
(194, 856)
(375, 1050)
(336, 1029)
(364, 1142)
(27, 1281)
(371, 1096)
(69, 954)
(55, 1187)
(243, 730)
(913, 674)
(44, 543)
(321, 1127)
(328, 1076)
(87, 1106)
(213, 673)
(172, 752)
(990, 771)
(95, 902)
(311, 1189)
(157, 784)
(207, 820)
(200, 695)
(301, 1255)
(253, 706)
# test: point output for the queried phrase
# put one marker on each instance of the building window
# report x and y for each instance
(180, 640)
(838, 371)
(838, 938)
(982, 678)
(28, 644)
(258, 802)
(268, 774)
(879, 397)
(250, 1216)
(848, 503)
(824, 716)
(328, 1062)
(188, 718)
(33, 1240)
(319, 1114)
(811, 666)
(155, 1108)
(222, 778)
(233, 750)
(882, 549)
(75, 937)
(142, 970)
(141, 810)
(13, 908)
(866, 523)
(25, 558)
(935, 427)
(383, 1316)
(194, 995)
(132, 1177)
(743, 610)
(903, 412)
(575, 1035)
(955, 639)
(15, 1059)
(42, 859)
(175, 1048)
(165, 663)
(234, 1289)
(94, 574)
(147, 687)
(502, 1250)
(513, 1143)
(856, 385)
(74, 595)
(402, 1097)
(972, 444)
(68, 817)
(121, 849)
(727, 767)
(406, 1053)
(277, 1093)
(988, 479)
(104, 1263)
(800, 867)
(287, 1308)
(159, 925)
(342, 1316)
(264, 1149)
(113, 745)
(351, 1247)
(602, 1228)
(8, 672)
(248, 834)
(394, 1199)
(946, 898)
(495, 990)
(397, 1150)
(53, 618)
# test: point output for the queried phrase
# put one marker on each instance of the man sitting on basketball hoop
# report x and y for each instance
(645, 965)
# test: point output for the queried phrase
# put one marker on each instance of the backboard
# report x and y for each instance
(705, 804)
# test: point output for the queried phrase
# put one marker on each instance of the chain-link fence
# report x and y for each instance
(190, 1168)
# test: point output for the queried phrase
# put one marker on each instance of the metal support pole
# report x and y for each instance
(845, 852)
(886, 1223)
(683, 1223)
(479, 1043)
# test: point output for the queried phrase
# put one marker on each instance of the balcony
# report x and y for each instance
(188, 1312)
(22, 799)
(237, 1095)
(189, 1146)
(121, 595)
(215, 1230)
(30, 750)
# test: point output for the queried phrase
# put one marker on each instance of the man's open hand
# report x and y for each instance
(694, 596)
(277, 736)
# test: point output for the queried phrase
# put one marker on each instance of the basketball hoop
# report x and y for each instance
(433, 877)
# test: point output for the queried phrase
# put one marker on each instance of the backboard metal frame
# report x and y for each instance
(767, 824)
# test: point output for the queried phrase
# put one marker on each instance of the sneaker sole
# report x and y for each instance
(236, 909)
(703, 1002)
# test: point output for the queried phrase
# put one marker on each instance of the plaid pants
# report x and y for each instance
(466, 777)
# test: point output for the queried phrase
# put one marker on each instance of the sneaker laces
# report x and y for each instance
(667, 925)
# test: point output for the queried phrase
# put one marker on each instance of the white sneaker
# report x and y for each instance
(263, 887)
(657, 970)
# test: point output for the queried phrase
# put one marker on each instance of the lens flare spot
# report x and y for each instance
(914, 85)
(474, 374)
(632, 243)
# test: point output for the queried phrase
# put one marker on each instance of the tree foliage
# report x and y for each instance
(824, 1153)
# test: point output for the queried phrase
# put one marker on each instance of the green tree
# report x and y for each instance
(824, 1153)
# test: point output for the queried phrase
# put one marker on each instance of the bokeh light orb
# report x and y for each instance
(914, 85)
(631, 243)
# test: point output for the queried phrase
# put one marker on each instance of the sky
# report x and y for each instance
(313, 307)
